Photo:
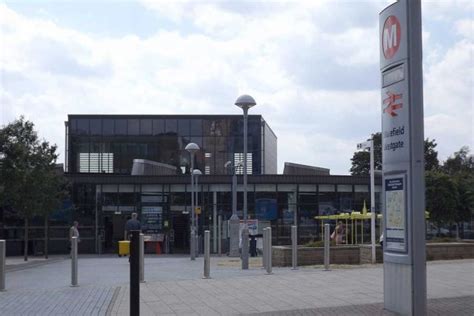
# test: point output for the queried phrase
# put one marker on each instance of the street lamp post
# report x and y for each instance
(245, 102)
(192, 148)
(370, 145)
(196, 174)
(234, 219)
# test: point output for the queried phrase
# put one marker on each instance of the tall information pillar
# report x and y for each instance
(403, 158)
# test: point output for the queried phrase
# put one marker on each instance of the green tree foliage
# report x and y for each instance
(460, 167)
(460, 162)
(31, 184)
(431, 155)
(361, 159)
(442, 197)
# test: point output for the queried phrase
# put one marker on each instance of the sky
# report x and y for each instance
(312, 67)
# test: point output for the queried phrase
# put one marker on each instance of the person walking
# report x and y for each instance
(132, 224)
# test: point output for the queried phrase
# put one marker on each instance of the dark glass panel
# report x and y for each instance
(183, 127)
(145, 127)
(158, 127)
(133, 127)
(328, 203)
(82, 126)
(195, 127)
(171, 126)
(121, 127)
(108, 127)
(96, 126)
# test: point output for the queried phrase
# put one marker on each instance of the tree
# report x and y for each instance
(28, 175)
(442, 197)
(431, 155)
(361, 159)
(461, 162)
(460, 167)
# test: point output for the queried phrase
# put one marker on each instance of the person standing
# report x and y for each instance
(132, 224)
(73, 232)
(338, 233)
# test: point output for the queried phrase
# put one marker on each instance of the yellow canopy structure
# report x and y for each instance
(354, 217)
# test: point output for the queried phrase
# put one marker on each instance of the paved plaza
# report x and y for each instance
(174, 286)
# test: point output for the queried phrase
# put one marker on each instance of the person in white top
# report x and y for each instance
(74, 232)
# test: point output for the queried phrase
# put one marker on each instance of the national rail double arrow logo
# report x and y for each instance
(390, 101)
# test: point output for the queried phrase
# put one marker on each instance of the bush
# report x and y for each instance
(313, 243)
(442, 239)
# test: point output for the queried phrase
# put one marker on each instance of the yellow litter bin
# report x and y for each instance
(124, 248)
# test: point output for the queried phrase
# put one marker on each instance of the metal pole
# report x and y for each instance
(234, 220)
(372, 200)
(294, 246)
(142, 258)
(219, 235)
(207, 254)
(326, 247)
(214, 222)
(264, 257)
(2, 264)
(135, 273)
(74, 262)
(269, 250)
(196, 221)
(193, 232)
(245, 231)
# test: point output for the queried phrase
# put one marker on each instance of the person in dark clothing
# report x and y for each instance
(132, 224)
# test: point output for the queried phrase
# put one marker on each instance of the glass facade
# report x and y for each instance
(108, 144)
(277, 205)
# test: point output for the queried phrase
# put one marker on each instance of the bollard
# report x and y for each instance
(207, 254)
(264, 250)
(326, 247)
(219, 235)
(245, 247)
(269, 250)
(294, 246)
(142, 258)
(74, 262)
(192, 244)
(2, 264)
(135, 273)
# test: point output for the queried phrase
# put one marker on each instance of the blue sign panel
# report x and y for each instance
(266, 209)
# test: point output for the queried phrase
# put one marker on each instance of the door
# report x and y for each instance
(181, 232)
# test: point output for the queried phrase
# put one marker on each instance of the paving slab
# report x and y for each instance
(174, 286)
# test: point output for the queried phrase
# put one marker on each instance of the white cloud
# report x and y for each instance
(312, 66)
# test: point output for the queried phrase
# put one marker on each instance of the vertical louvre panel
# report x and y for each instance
(96, 162)
(238, 158)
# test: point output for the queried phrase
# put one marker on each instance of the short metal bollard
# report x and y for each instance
(192, 244)
(326, 247)
(2, 264)
(207, 254)
(245, 248)
(219, 235)
(264, 250)
(74, 265)
(142, 258)
(294, 246)
(269, 250)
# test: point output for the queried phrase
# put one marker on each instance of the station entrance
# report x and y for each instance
(173, 237)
